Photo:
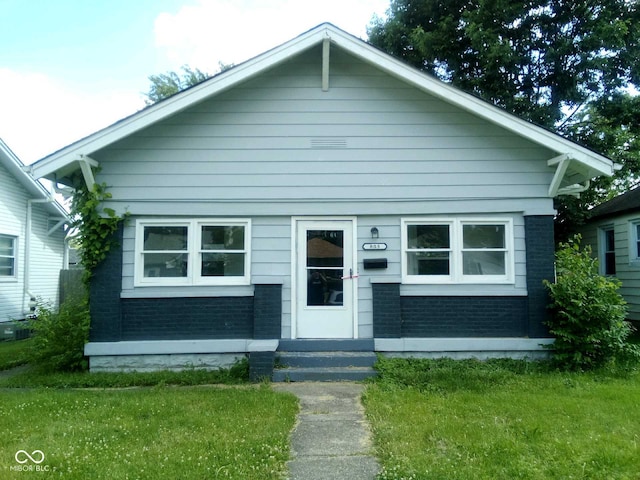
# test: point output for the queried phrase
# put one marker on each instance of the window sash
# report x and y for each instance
(194, 265)
(7, 256)
(468, 260)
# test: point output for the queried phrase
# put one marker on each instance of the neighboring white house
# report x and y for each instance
(32, 239)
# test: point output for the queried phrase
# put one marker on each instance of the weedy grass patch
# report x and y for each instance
(503, 420)
(14, 353)
(148, 433)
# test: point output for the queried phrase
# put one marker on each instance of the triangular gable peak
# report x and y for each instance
(574, 165)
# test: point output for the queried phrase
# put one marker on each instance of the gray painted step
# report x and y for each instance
(326, 359)
(360, 345)
(329, 374)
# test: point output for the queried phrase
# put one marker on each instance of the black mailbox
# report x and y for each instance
(372, 263)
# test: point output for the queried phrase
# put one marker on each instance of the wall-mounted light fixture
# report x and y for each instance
(374, 232)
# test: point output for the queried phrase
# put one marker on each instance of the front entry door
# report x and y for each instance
(325, 279)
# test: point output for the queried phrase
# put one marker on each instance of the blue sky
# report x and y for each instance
(71, 67)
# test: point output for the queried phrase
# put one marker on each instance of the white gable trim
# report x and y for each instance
(594, 163)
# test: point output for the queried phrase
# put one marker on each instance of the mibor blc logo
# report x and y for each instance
(29, 462)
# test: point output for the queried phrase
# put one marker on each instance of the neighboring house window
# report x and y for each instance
(634, 239)
(192, 252)
(607, 251)
(7, 256)
(457, 251)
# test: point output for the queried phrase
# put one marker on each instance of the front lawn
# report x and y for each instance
(148, 433)
(503, 420)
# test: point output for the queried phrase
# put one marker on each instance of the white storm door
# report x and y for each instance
(325, 279)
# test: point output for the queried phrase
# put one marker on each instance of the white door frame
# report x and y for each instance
(295, 270)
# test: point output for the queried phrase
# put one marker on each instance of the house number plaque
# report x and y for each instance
(374, 246)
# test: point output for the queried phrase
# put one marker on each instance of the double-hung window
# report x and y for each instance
(7, 257)
(607, 251)
(457, 251)
(192, 252)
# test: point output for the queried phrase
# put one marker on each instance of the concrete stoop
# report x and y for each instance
(324, 360)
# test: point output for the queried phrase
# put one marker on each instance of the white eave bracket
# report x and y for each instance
(61, 221)
(326, 47)
(86, 164)
(562, 162)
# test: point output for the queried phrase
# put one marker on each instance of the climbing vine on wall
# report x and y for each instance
(95, 225)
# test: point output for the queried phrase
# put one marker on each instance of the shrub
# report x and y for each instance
(59, 337)
(587, 313)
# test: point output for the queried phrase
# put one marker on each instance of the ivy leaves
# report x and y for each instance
(95, 225)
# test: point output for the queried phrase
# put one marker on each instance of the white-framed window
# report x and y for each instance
(8, 255)
(607, 250)
(634, 240)
(192, 252)
(458, 250)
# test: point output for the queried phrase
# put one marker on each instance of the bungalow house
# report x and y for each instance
(613, 231)
(323, 196)
(32, 240)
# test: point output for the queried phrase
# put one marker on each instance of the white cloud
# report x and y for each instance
(41, 115)
(232, 31)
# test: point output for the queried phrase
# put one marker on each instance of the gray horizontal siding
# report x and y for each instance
(280, 141)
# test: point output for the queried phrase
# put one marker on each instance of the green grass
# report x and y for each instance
(33, 378)
(14, 353)
(503, 420)
(148, 433)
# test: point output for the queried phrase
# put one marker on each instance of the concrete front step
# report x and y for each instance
(325, 359)
(320, 374)
(327, 345)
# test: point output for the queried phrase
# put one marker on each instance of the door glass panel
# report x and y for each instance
(325, 263)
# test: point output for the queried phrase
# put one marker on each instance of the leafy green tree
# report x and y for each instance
(536, 58)
(167, 84)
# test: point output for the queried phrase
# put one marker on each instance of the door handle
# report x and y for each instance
(350, 276)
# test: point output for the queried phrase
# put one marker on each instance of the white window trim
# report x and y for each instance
(633, 241)
(194, 252)
(456, 276)
(14, 277)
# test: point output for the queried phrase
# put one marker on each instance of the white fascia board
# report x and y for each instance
(271, 58)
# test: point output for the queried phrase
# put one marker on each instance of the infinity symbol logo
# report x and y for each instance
(30, 457)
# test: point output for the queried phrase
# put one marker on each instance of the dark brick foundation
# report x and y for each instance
(463, 316)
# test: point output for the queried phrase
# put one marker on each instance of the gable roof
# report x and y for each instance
(626, 203)
(574, 163)
(17, 170)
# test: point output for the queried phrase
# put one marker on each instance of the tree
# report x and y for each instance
(562, 64)
(535, 58)
(167, 84)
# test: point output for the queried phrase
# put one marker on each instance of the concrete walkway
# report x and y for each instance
(331, 439)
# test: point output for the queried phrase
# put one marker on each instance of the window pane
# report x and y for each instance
(483, 236)
(222, 237)
(638, 240)
(324, 287)
(610, 263)
(165, 265)
(610, 241)
(223, 264)
(6, 267)
(165, 238)
(6, 246)
(428, 263)
(428, 236)
(484, 263)
(325, 248)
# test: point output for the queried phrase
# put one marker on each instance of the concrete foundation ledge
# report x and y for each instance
(152, 363)
(170, 347)
(461, 348)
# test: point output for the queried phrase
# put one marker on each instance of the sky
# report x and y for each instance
(71, 67)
